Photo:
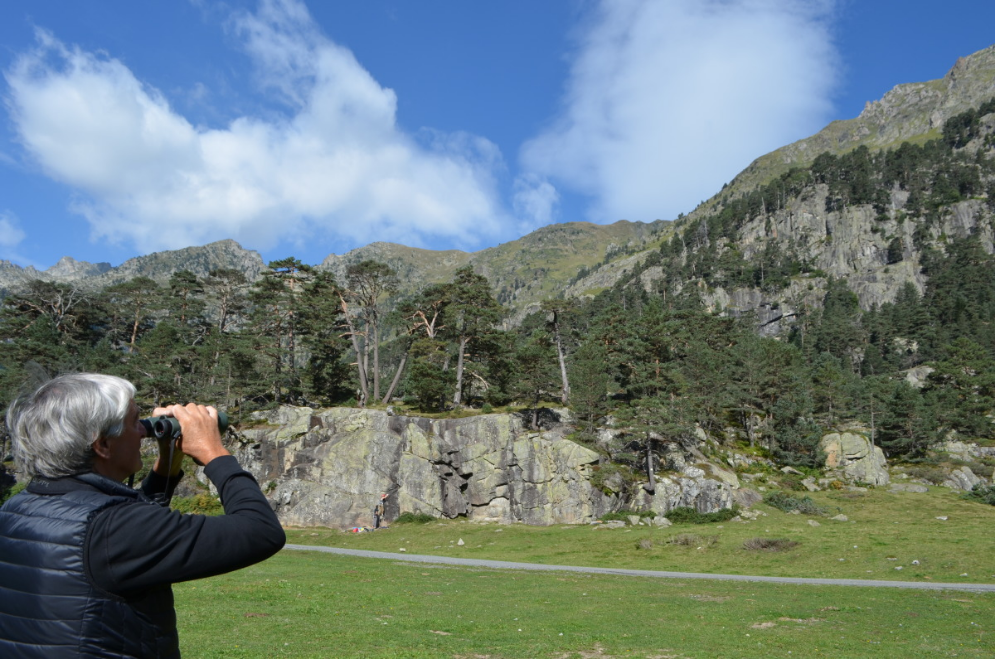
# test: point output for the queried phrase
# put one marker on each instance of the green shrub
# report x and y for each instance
(786, 503)
(687, 515)
(200, 504)
(982, 493)
(623, 515)
(693, 540)
(612, 478)
(792, 482)
(930, 474)
(978, 467)
(486, 408)
(414, 518)
(14, 489)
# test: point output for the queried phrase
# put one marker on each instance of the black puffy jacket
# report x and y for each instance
(49, 605)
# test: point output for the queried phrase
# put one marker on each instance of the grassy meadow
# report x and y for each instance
(306, 604)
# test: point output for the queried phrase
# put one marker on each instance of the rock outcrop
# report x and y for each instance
(852, 454)
(328, 468)
(962, 478)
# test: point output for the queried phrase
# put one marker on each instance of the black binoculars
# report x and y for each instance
(167, 427)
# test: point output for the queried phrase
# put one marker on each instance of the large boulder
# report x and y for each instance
(852, 454)
(691, 491)
(962, 478)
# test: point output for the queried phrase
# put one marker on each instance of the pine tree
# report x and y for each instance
(535, 375)
(471, 312)
(906, 426)
(368, 282)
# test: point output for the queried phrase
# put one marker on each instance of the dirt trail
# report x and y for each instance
(507, 565)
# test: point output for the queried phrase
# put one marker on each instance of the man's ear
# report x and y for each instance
(101, 447)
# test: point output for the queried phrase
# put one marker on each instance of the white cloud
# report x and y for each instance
(335, 166)
(666, 101)
(11, 234)
(535, 200)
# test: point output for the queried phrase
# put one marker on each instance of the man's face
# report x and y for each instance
(123, 455)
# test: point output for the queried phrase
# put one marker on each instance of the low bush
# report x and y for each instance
(200, 504)
(982, 493)
(792, 482)
(414, 518)
(612, 478)
(14, 489)
(693, 540)
(930, 474)
(976, 466)
(787, 503)
(769, 544)
(688, 515)
(623, 515)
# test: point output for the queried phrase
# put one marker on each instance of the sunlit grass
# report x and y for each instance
(885, 531)
(313, 604)
(305, 604)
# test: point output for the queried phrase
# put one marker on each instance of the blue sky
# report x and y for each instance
(313, 128)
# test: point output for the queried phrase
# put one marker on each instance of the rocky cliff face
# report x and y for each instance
(851, 245)
(329, 467)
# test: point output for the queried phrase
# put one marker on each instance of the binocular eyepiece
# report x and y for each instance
(167, 427)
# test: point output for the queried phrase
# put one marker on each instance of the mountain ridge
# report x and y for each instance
(581, 258)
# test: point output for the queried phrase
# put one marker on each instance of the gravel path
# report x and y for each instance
(507, 565)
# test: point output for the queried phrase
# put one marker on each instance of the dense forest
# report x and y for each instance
(655, 362)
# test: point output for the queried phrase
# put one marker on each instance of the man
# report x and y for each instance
(378, 511)
(87, 563)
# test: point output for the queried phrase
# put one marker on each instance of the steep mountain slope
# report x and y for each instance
(909, 112)
(415, 267)
(522, 272)
(876, 247)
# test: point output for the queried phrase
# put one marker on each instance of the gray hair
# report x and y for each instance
(55, 426)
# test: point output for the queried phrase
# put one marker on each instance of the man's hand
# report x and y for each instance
(162, 464)
(201, 439)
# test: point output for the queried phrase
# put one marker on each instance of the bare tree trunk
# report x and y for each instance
(363, 386)
(651, 486)
(376, 361)
(458, 396)
(565, 391)
(134, 330)
(397, 378)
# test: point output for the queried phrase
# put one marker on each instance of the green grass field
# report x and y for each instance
(305, 604)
